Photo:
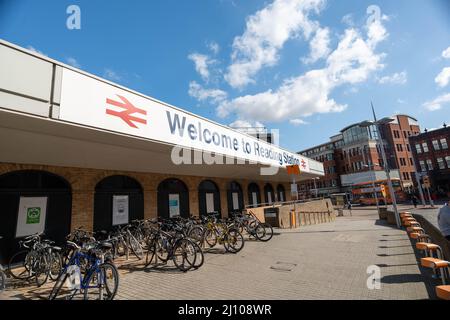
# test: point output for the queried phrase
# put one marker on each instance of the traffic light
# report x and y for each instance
(383, 190)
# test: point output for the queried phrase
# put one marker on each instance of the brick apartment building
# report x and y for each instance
(431, 154)
(353, 156)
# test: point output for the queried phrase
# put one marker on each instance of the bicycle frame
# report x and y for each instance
(94, 268)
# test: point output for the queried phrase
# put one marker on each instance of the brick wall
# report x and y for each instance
(83, 182)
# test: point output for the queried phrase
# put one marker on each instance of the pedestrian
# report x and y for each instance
(444, 221)
(415, 201)
(349, 206)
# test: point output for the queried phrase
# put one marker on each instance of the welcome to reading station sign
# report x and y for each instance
(91, 102)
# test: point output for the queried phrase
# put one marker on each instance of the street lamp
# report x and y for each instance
(375, 193)
(315, 186)
(377, 123)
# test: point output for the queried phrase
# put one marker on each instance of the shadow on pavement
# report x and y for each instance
(402, 278)
(383, 265)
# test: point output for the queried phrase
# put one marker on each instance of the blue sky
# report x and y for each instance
(305, 67)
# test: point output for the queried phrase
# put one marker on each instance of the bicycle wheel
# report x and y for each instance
(234, 241)
(210, 238)
(184, 254)
(103, 283)
(259, 231)
(19, 265)
(199, 258)
(41, 268)
(120, 248)
(2, 280)
(151, 253)
(268, 232)
(135, 247)
(196, 235)
(61, 291)
(55, 265)
(162, 245)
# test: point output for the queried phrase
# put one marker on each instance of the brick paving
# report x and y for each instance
(324, 261)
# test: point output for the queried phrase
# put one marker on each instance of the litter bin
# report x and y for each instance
(271, 216)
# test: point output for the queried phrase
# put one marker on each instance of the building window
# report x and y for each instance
(418, 148)
(411, 161)
(436, 145)
(399, 148)
(396, 134)
(429, 164)
(444, 143)
(407, 147)
(402, 162)
(422, 166)
(447, 159)
(441, 163)
(425, 147)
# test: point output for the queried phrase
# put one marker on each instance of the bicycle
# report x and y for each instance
(164, 246)
(40, 260)
(123, 241)
(253, 226)
(215, 231)
(93, 282)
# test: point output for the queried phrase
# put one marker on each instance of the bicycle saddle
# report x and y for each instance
(105, 245)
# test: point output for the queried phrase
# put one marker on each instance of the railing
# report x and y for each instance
(281, 203)
(314, 217)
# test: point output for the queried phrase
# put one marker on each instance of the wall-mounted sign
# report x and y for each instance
(235, 197)
(31, 216)
(88, 101)
(210, 202)
(269, 197)
(254, 199)
(120, 210)
(174, 204)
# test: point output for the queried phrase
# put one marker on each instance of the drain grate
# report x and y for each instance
(283, 266)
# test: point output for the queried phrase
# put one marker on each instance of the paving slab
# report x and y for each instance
(323, 261)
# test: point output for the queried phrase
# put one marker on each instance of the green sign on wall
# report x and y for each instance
(33, 215)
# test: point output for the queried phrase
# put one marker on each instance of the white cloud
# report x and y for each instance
(401, 101)
(353, 61)
(443, 78)
(246, 124)
(319, 46)
(395, 78)
(73, 62)
(202, 63)
(265, 34)
(198, 92)
(348, 20)
(297, 122)
(437, 103)
(111, 75)
(446, 53)
(214, 47)
(31, 48)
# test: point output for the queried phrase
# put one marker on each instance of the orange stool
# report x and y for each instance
(439, 264)
(443, 292)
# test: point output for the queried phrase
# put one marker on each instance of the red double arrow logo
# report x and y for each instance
(127, 114)
(303, 164)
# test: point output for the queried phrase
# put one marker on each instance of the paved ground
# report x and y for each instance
(326, 261)
(429, 213)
